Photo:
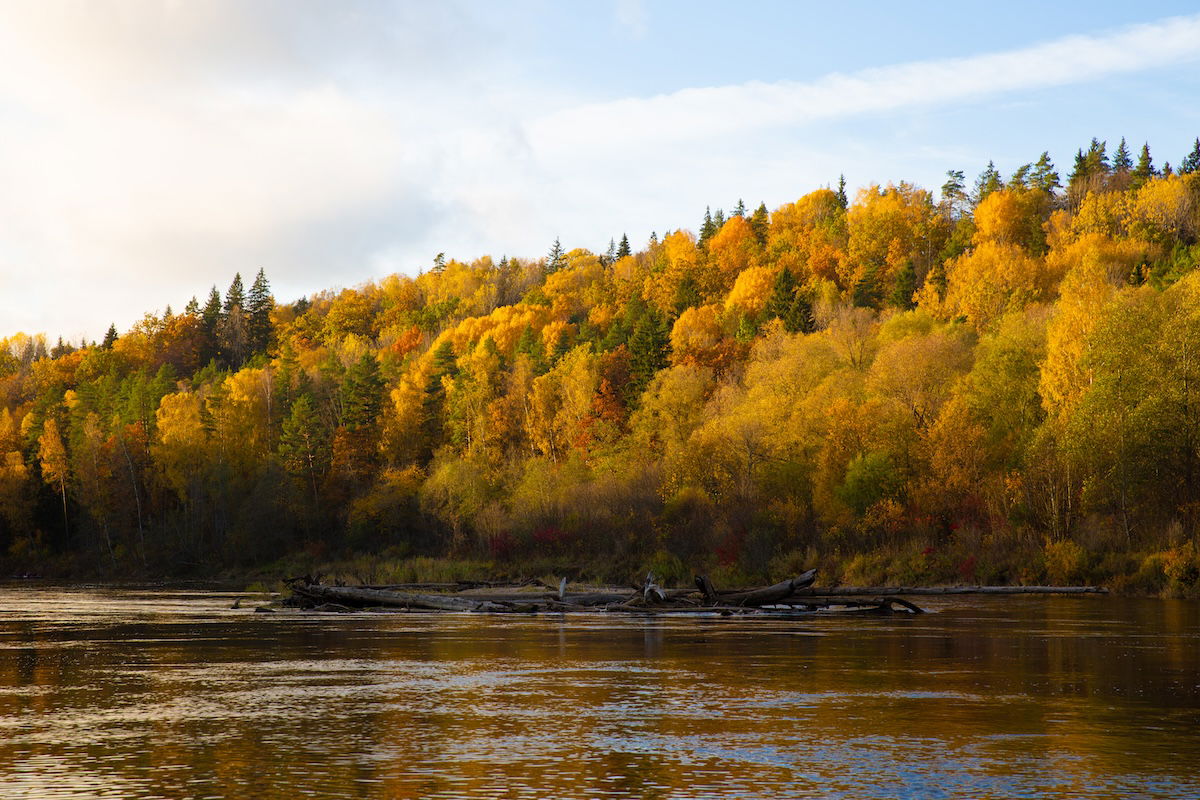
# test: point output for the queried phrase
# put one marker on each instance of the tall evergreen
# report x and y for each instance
(1191, 162)
(555, 259)
(259, 305)
(707, 228)
(1121, 161)
(988, 181)
(109, 338)
(1144, 170)
(623, 248)
(235, 296)
(842, 199)
(362, 393)
(904, 288)
(954, 195)
(1044, 175)
(740, 209)
(759, 222)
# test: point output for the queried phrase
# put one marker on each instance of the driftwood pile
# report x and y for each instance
(790, 596)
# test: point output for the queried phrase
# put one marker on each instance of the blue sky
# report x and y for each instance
(152, 149)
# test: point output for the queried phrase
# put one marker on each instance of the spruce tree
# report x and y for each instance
(988, 181)
(1144, 170)
(259, 305)
(555, 260)
(623, 248)
(362, 393)
(192, 307)
(759, 222)
(707, 228)
(109, 338)
(740, 209)
(842, 199)
(236, 295)
(782, 295)
(904, 288)
(1045, 176)
(1191, 162)
(1121, 161)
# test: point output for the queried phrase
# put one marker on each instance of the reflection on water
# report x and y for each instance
(133, 694)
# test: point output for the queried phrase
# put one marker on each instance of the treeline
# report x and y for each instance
(999, 385)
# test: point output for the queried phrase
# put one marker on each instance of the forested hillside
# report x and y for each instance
(997, 383)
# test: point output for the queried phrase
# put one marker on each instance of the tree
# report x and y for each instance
(623, 248)
(259, 305)
(110, 338)
(1121, 160)
(52, 456)
(843, 201)
(235, 295)
(988, 181)
(1191, 162)
(1044, 175)
(304, 444)
(759, 222)
(1144, 170)
(555, 260)
(954, 196)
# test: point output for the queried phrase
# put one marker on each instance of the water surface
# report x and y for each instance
(153, 694)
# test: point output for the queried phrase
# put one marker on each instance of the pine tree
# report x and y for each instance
(529, 345)
(954, 196)
(1191, 162)
(740, 209)
(988, 181)
(236, 295)
(304, 443)
(362, 393)
(623, 248)
(649, 348)
(1144, 170)
(610, 255)
(759, 223)
(555, 260)
(843, 201)
(109, 338)
(782, 295)
(1045, 176)
(707, 228)
(905, 287)
(192, 307)
(439, 263)
(1121, 160)
(259, 305)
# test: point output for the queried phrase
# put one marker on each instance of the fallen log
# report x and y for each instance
(866, 591)
(755, 597)
(359, 597)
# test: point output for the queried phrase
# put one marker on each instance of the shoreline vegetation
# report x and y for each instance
(997, 385)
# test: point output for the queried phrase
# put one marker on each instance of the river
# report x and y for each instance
(173, 694)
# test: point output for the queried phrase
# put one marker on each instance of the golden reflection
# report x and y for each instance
(1035, 697)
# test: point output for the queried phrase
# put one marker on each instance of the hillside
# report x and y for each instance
(999, 386)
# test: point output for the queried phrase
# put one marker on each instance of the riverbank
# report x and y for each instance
(1163, 570)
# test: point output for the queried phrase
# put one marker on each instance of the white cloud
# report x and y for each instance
(725, 110)
(152, 148)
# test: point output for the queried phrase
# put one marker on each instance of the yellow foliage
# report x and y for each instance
(886, 229)
(1013, 217)
(1165, 208)
(752, 290)
(809, 237)
(696, 331)
(733, 249)
(994, 278)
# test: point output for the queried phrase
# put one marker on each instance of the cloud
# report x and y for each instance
(726, 110)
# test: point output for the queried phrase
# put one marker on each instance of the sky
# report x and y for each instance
(150, 150)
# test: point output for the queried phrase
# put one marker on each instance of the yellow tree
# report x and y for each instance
(52, 456)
